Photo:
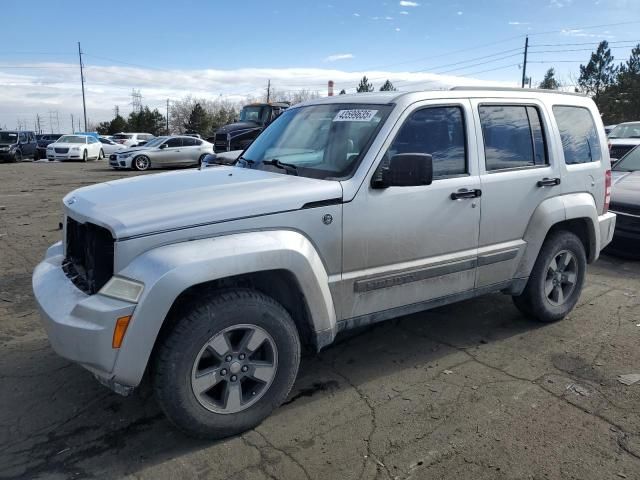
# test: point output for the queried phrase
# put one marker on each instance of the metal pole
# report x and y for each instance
(167, 116)
(268, 90)
(524, 65)
(84, 105)
(72, 123)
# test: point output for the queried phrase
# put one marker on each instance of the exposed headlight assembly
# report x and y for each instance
(123, 289)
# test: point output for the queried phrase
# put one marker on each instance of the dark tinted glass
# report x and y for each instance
(438, 131)
(578, 133)
(513, 136)
(190, 142)
(174, 142)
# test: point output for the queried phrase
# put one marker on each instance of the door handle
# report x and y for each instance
(466, 193)
(548, 182)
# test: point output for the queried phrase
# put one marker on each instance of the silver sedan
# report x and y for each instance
(160, 152)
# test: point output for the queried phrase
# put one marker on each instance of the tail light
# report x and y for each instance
(607, 190)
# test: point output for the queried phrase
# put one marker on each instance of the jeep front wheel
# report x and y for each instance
(556, 280)
(227, 364)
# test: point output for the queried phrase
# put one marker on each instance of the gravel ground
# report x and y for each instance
(470, 390)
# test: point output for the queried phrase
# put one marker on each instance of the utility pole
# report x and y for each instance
(51, 121)
(167, 116)
(72, 123)
(84, 104)
(39, 130)
(524, 65)
(268, 90)
(57, 122)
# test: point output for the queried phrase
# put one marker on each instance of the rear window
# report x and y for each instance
(578, 134)
(191, 142)
(513, 136)
(122, 136)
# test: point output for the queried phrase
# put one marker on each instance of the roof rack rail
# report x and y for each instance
(515, 89)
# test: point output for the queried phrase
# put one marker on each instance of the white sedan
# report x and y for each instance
(109, 146)
(75, 147)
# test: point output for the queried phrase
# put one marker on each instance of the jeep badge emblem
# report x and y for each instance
(327, 219)
(71, 201)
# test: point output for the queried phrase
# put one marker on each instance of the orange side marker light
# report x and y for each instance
(118, 332)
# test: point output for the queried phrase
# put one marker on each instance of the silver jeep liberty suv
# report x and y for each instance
(345, 211)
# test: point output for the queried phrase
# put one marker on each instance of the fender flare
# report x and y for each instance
(552, 211)
(169, 270)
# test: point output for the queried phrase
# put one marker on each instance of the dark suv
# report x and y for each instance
(17, 145)
(45, 140)
(253, 119)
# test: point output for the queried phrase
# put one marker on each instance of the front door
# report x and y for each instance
(409, 245)
(169, 155)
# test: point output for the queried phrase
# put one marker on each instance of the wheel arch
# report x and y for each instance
(281, 264)
(576, 213)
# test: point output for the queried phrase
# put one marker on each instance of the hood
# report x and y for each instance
(123, 149)
(626, 188)
(238, 126)
(174, 200)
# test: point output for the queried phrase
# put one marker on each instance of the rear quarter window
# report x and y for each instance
(578, 133)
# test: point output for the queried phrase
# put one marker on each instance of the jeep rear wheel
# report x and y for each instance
(556, 280)
(227, 364)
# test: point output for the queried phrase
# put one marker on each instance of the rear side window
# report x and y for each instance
(439, 132)
(513, 136)
(578, 133)
(190, 142)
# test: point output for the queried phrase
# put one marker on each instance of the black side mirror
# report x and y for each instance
(405, 170)
(163, 146)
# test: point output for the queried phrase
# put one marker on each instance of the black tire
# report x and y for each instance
(17, 156)
(36, 156)
(534, 302)
(84, 156)
(141, 163)
(178, 354)
(101, 155)
(202, 157)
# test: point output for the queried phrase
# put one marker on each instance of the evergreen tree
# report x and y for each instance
(599, 73)
(342, 92)
(388, 87)
(549, 82)
(364, 85)
(117, 125)
(199, 120)
(147, 121)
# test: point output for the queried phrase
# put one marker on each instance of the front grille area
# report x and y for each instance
(89, 255)
(221, 143)
(619, 151)
(62, 150)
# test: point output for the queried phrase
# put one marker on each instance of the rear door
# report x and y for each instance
(190, 150)
(517, 174)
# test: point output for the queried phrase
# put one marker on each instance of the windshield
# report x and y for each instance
(8, 137)
(630, 162)
(629, 130)
(122, 136)
(155, 142)
(255, 114)
(319, 141)
(72, 139)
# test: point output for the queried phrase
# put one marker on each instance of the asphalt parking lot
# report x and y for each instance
(466, 391)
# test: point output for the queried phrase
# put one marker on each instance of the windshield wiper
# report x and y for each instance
(245, 160)
(288, 167)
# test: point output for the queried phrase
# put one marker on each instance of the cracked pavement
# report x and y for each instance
(470, 390)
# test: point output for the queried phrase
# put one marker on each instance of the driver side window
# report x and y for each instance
(439, 132)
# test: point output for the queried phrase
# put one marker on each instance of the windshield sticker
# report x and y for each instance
(355, 115)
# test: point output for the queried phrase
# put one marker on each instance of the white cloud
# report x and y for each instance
(356, 14)
(459, 12)
(54, 87)
(406, 3)
(339, 56)
(397, 29)
(519, 23)
(577, 32)
(404, 12)
(388, 18)
(560, 3)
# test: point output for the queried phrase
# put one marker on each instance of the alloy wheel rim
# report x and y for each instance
(141, 163)
(234, 369)
(561, 279)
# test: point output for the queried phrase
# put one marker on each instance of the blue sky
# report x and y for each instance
(230, 48)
